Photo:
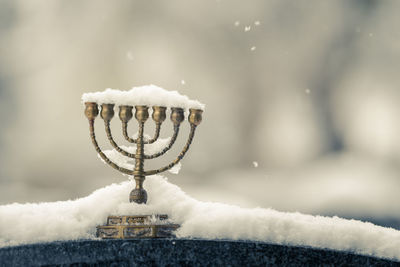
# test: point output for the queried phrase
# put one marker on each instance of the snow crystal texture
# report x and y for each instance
(149, 95)
(77, 219)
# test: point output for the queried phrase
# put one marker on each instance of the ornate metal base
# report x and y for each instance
(136, 226)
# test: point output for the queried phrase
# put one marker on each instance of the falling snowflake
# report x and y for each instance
(247, 28)
(253, 48)
(257, 23)
(183, 82)
(237, 23)
(308, 91)
(255, 164)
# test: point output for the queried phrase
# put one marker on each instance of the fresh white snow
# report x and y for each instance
(149, 95)
(176, 169)
(77, 219)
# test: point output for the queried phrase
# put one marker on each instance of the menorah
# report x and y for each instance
(139, 226)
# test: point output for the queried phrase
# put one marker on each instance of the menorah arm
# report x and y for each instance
(131, 140)
(156, 135)
(168, 147)
(104, 157)
(109, 136)
(181, 155)
(125, 133)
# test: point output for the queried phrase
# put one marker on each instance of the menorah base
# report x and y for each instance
(136, 226)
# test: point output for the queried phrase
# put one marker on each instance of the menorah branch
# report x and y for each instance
(156, 134)
(102, 155)
(125, 114)
(168, 147)
(110, 138)
(181, 155)
(125, 133)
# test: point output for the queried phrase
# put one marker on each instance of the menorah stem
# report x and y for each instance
(139, 159)
(139, 195)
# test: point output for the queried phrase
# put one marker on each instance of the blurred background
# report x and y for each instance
(302, 98)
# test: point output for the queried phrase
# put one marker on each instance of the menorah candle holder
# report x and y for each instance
(122, 227)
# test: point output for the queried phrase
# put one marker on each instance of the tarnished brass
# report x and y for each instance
(142, 226)
(118, 226)
(159, 114)
(91, 110)
(195, 116)
(125, 113)
(142, 113)
(177, 115)
(107, 112)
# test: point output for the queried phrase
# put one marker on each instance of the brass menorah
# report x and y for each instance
(139, 226)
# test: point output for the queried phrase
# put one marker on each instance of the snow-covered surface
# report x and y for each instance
(149, 95)
(75, 219)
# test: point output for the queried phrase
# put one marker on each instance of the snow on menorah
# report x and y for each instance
(149, 95)
(140, 99)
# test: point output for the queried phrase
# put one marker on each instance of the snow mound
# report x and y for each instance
(77, 219)
(149, 95)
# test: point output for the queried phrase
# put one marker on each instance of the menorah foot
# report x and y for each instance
(136, 226)
(138, 196)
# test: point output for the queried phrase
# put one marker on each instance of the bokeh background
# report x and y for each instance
(302, 98)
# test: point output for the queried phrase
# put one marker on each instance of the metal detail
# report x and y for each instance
(141, 226)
